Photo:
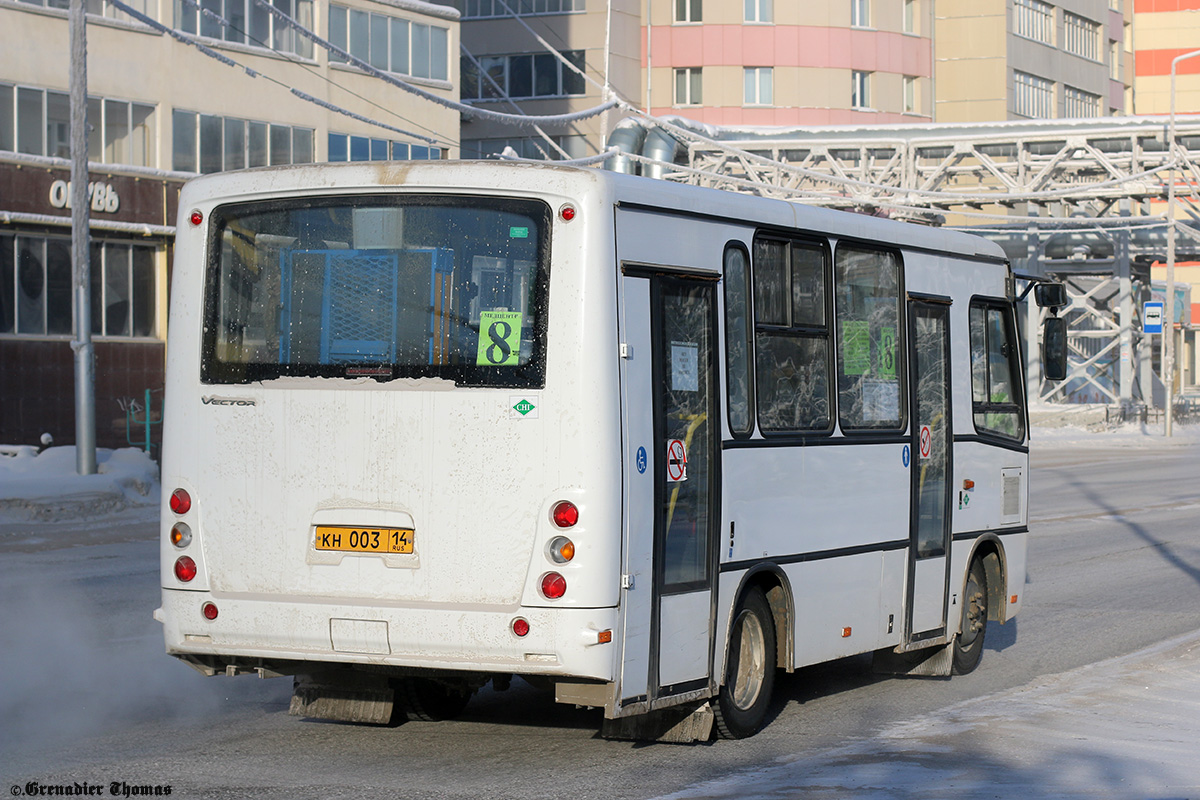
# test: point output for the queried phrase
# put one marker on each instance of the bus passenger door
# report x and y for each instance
(932, 438)
(671, 450)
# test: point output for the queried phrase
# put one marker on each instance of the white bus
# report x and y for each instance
(433, 426)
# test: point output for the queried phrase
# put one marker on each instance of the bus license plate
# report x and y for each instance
(365, 540)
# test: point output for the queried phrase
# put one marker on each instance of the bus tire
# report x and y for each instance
(745, 695)
(429, 700)
(968, 644)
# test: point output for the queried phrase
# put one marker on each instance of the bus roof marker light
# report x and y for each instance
(564, 514)
(181, 501)
(554, 585)
(185, 569)
(567, 212)
(196, 217)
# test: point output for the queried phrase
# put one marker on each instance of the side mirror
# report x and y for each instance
(1054, 348)
(1050, 295)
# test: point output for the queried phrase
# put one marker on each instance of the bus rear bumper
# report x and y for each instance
(273, 635)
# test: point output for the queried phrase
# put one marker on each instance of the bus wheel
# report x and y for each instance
(968, 645)
(742, 701)
(429, 700)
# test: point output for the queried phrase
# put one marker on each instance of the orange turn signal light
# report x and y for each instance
(604, 637)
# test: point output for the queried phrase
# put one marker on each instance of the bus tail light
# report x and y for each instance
(520, 627)
(561, 549)
(209, 610)
(564, 514)
(181, 501)
(554, 585)
(185, 568)
(181, 535)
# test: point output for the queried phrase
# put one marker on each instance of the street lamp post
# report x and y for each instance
(1169, 326)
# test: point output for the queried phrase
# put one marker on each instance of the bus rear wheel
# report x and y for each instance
(743, 699)
(430, 700)
(968, 645)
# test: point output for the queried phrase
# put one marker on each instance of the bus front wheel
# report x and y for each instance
(742, 701)
(968, 645)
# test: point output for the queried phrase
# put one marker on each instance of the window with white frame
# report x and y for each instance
(37, 290)
(1078, 103)
(391, 44)
(910, 16)
(1034, 20)
(1114, 59)
(522, 76)
(689, 86)
(348, 147)
(574, 145)
(860, 89)
(38, 121)
(209, 143)
(1032, 96)
(759, 10)
(248, 22)
(860, 13)
(910, 94)
(758, 86)
(1082, 36)
(481, 9)
(689, 10)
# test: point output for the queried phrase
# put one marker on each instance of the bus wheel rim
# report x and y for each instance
(751, 667)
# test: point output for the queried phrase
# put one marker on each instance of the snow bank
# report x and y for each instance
(45, 486)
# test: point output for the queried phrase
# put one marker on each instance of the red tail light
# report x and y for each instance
(554, 585)
(181, 501)
(520, 627)
(209, 610)
(185, 568)
(564, 514)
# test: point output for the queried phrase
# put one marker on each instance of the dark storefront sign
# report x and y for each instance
(30, 189)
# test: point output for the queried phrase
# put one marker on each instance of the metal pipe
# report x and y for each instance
(85, 364)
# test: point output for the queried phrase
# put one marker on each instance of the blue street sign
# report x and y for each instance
(1152, 317)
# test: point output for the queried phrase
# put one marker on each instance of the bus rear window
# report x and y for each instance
(381, 287)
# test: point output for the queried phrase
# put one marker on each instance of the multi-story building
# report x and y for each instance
(159, 111)
(1163, 30)
(1031, 59)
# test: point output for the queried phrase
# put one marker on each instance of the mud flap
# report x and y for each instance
(680, 724)
(932, 662)
(344, 697)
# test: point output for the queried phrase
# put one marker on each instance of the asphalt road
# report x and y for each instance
(86, 694)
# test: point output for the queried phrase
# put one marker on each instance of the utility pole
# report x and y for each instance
(85, 362)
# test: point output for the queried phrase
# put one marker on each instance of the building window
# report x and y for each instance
(247, 22)
(860, 13)
(1035, 20)
(689, 10)
(391, 44)
(759, 10)
(38, 122)
(476, 9)
(860, 89)
(910, 16)
(522, 76)
(910, 94)
(1032, 96)
(346, 147)
(1082, 36)
(689, 86)
(207, 143)
(36, 287)
(1078, 103)
(1114, 59)
(536, 148)
(758, 85)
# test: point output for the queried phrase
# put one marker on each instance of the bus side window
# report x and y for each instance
(737, 340)
(868, 314)
(995, 376)
(791, 336)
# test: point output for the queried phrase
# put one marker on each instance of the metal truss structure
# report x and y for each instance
(1070, 199)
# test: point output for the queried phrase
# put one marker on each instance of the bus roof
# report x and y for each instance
(529, 178)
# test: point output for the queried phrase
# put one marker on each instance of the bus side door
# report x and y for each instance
(671, 425)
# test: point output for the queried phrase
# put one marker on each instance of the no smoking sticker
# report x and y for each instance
(926, 441)
(676, 460)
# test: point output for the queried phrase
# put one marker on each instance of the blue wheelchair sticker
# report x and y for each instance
(641, 459)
